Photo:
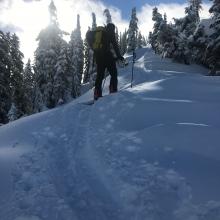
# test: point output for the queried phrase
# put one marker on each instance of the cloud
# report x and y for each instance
(172, 10)
(32, 16)
(68, 9)
(10, 28)
(28, 17)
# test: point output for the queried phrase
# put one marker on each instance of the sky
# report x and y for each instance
(27, 17)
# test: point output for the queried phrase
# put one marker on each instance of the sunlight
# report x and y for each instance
(29, 17)
(32, 16)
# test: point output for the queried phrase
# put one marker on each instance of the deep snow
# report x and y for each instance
(148, 152)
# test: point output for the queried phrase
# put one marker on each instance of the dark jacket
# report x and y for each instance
(109, 44)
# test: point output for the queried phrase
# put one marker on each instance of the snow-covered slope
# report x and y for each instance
(148, 152)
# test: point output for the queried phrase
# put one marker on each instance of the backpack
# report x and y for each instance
(97, 39)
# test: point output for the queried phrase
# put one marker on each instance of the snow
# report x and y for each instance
(147, 152)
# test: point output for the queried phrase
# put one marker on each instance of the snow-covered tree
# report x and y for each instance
(86, 62)
(53, 13)
(62, 79)
(197, 6)
(76, 58)
(94, 25)
(45, 61)
(46, 56)
(16, 78)
(132, 31)
(140, 40)
(123, 42)
(89, 64)
(13, 113)
(188, 24)
(213, 48)
(198, 42)
(181, 52)
(108, 16)
(28, 86)
(153, 36)
(5, 90)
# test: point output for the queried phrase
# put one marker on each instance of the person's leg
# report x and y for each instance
(111, 67)
(99, 78)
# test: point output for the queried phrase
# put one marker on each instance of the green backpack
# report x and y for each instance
(97, 39)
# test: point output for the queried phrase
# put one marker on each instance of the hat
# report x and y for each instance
(110, 27)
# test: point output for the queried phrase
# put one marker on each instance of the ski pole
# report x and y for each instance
(132, 71)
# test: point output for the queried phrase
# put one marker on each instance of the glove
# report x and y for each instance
(121, 58)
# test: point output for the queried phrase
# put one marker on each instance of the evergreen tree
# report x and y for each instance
(76, 58)
(5, 90)
(46, 56)
(139, 40)
(132, 32)
(188, 24)
(144, 40)
(16, 78)
(197, 6)
(89, 68)
(28, 86)
(168, 39)
(87, 59)
(108, 16)
(13, 113)
(123, 42)
(198, 43)
(153, 36)
(94, 25)
(213, 48)
(53, 14)
(62, 79)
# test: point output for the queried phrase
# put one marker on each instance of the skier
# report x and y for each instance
(105, 59)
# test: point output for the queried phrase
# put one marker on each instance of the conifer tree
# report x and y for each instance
(46, 56)
(16, 79)
(94, 25)
(5, 90)
(89, 68)
(139, 40)
(28, 85)
(62, 79)
(213, 47)
(153, 36)
(13, 113)
(132, 31)
(53, 14)
(108, 16)
(76, 58)
(87, 59)
(196, 6)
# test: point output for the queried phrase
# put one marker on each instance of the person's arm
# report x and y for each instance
(116, 47)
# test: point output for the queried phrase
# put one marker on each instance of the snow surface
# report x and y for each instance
(149, 152)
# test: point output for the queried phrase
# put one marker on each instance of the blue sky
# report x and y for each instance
(126, 5)
(28, 17)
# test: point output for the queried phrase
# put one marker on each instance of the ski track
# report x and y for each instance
(81, 186)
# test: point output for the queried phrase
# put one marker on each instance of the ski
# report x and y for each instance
(90, 102)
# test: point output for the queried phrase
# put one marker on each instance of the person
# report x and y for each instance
(105, 60)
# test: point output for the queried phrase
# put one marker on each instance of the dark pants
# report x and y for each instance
(106, 62)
